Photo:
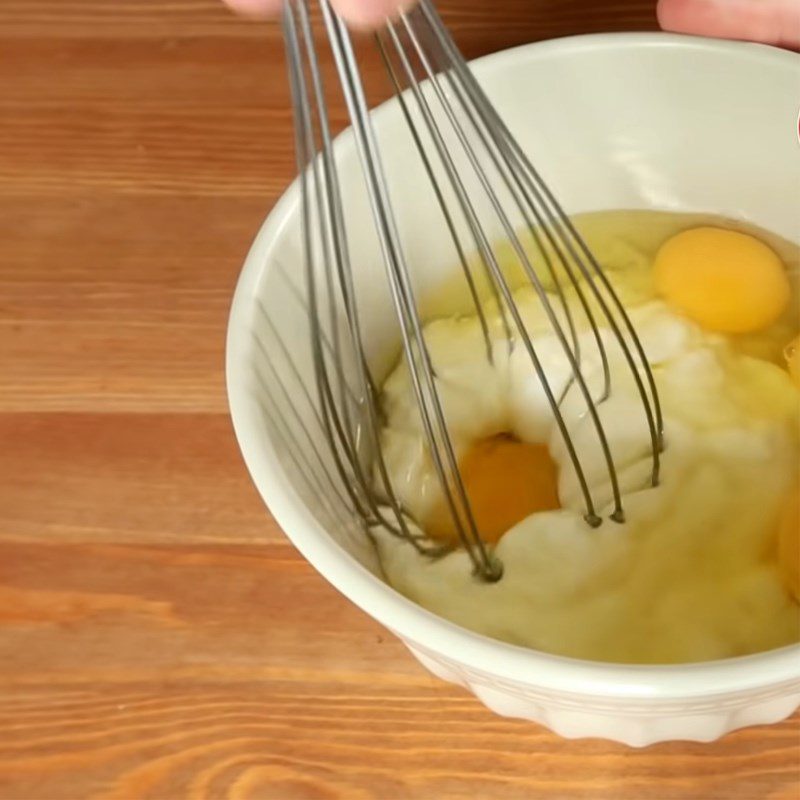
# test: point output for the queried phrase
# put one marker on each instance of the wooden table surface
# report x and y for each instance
(159, 637)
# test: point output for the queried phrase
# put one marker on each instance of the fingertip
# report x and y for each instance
(665, 13)
(255, 8)
(768, 21)
(699, 17)
(369, 14)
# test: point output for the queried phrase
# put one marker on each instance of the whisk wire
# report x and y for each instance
(340, 256)
(349, 416)
(336, 430)
(429, 171)
(422, 376)
(535, 281)
(569, 235)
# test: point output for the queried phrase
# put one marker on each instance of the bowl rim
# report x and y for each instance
(411, 622)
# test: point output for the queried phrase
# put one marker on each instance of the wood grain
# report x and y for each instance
(234, 671)
(159, 638)
(127, 478)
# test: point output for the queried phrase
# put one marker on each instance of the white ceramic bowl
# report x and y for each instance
(615, 121)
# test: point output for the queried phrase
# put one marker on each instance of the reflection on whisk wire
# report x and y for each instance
(439, 98)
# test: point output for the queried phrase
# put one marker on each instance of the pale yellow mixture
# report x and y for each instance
(700, 569)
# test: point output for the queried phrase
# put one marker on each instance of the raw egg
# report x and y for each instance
(506, 480)
(789, 545)
(726, 281)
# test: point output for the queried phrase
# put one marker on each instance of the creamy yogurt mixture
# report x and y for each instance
(692, 574)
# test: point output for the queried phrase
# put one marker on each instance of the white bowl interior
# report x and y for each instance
(612, 122)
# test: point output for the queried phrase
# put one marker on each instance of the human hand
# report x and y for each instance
(768, 21)
(359, 13)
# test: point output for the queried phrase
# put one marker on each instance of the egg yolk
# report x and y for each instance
(505, 480)
(792, 355)
(726, 281)
(789, 545)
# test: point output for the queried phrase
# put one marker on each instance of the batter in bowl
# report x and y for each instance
(705, 564)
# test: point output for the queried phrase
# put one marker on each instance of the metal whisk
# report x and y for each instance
(443, 105)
